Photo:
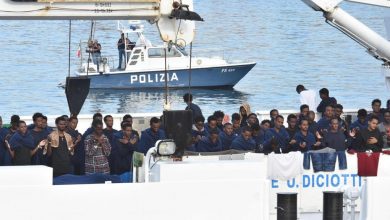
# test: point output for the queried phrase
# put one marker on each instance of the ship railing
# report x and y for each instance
(224, 54)
(84, 57)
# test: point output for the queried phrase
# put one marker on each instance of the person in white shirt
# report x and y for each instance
(307, 96)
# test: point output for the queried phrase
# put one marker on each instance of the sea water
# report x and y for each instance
(290, 42)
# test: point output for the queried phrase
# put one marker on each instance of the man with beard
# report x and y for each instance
(277, 139)
(151, 135)
(227, 136)
(369, 138)
(60, 147)
(129, 119)
(211, 143)
(125, 144)
(39, 133)
(77, 162)
(97, 150)
(245, 141)
(198, 130)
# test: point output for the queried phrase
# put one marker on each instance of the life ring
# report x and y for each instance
(199, 61)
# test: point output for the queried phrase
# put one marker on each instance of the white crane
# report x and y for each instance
(173, 17)
(376, 45)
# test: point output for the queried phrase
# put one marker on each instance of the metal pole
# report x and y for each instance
(166, 77)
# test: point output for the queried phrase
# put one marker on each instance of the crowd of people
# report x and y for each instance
(102, 149)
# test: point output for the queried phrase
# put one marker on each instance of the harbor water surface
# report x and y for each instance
(289, 41)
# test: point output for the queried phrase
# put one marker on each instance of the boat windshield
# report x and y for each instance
(159, 53)
(182, 50)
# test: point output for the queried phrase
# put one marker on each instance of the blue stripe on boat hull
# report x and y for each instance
(215, 77)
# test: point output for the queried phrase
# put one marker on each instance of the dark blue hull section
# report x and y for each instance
(214, 77)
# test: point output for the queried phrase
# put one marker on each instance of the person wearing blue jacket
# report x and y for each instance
(211, 123)
(196, 111)
(227, 136)
(236, 122)
(109, 131)
(362, 122)
(258, 137)
(3, 148)
(198, 129)
(125, 144)
(151, 135)
(39, 133)
(21, 146)
(305, 140)
(324, 122)
(211, 143)
(277, 139)
(245, 141)
(325, 100)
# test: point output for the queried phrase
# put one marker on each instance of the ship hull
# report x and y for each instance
(209, 77)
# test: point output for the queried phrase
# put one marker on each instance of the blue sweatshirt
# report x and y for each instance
(239, 143)
(207, 128)
(335, 140)
(259, 139)
(122, 155)
(205, 145)
(323, 123)
(226, 140)
(196, 111)
(325, 102)
(196, 132)
(281, 139)
(309, 139)
(149, 138)
(22, 145)
(38, 158)
(360, 126)
(5, 157)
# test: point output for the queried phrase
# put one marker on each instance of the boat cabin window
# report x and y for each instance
(159, 53)
(182, 51)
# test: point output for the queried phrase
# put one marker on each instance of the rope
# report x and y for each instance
(166, 77)
(190, 72)
(89, 52)
(69, 44)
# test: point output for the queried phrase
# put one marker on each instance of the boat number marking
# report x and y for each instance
(152, 78)
(103, 7)
(227, 70)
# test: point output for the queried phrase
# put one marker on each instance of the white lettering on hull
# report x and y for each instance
(153, 78)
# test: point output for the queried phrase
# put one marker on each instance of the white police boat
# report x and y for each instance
(149, 66)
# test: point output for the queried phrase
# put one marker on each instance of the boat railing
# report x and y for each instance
(224, 54)
(84, 56)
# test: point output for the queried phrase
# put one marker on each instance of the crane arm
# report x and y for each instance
(376, 45)
(174, 20)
